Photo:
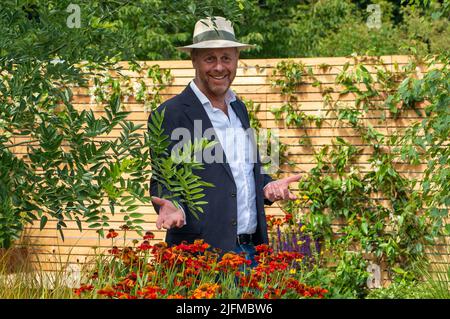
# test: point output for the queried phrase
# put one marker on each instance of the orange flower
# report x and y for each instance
(152, 292)
(112, 234)
(108, 291)
(127, 284)
(129, 256)
(247, 295)
(233, 261)
(83, 288)
(274, 293)
(206, 291)
(123, 295)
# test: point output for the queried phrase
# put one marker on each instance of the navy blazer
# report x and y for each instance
(217, 226)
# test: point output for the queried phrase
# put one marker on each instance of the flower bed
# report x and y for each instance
(195, 271)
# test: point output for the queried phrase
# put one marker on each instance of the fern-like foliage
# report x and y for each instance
(175, 171)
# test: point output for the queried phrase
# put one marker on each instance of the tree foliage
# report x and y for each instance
(55, 163)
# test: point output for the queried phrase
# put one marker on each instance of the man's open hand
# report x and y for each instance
(279, 189)
(169, 216)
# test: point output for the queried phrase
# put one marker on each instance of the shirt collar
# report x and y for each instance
(229, 96)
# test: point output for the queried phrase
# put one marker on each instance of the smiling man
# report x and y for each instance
(234, 218)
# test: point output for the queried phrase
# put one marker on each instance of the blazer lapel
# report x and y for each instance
(196, 112)
(240, 113)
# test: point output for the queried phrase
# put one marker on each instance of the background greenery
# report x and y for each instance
(40, 64)
(152, 29)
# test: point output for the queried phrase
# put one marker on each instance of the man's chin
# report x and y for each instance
(219, 91)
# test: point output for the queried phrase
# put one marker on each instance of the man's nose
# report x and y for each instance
(219, 67)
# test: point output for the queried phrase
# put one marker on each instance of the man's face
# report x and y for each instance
(215, 70)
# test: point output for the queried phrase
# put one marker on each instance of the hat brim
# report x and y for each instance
(213, 44)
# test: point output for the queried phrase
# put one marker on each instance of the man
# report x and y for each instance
(234, 218)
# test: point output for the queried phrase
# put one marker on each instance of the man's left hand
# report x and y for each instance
(279, 189)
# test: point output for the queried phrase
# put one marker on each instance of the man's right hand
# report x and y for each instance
(169, 216)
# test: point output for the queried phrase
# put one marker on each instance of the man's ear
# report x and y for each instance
(193, 55)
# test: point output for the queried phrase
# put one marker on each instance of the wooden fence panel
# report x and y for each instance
(253, 82)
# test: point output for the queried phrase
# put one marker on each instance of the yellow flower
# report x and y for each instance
(303, 228)
(293, 271)
(300, 242)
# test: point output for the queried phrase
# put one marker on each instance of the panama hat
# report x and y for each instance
(214, 33)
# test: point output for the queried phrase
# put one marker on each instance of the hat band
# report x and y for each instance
(214, 35)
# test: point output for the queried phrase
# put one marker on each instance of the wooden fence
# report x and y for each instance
(253, 82)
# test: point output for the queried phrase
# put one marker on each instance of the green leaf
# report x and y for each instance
(132, 208)
(44, 220)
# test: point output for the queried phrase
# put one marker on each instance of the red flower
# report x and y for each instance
(145, 246)
(83, 288)
(152, 292)
(149, 235)
(112, 234)
(108, 291)
(261, 249)
(232, 261)
(114, 251)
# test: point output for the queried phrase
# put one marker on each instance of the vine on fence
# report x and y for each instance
(378, 214)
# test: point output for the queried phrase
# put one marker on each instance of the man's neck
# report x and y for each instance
(216, 101)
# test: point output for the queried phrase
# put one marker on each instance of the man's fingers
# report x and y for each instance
(292, 196)
(166, 226)
(293, 178)
(168, 220)
(159, 222)
(180, 223)
(271, 193)
(158, 201)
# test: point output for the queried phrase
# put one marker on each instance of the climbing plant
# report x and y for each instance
(339, 203)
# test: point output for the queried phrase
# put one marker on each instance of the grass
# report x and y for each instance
(20, 278)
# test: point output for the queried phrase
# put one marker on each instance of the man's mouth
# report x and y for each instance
(218, 77)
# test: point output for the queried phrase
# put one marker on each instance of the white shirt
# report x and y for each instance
(238, 150)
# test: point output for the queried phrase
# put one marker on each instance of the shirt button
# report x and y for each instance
(233, 194)
(233, 222)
